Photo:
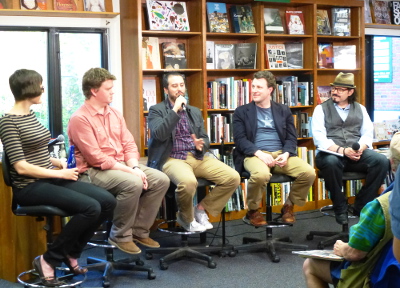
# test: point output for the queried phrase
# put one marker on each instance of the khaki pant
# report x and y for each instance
(260, 174)
(136, 208)
(183, 174)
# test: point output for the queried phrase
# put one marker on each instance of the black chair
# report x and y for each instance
(340, 235)
(197, 252)
(41, 212)
(270, 244)
(108, 265)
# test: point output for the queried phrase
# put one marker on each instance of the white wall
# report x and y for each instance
(113, 24)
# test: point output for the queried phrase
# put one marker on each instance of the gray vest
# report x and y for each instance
(343, 133)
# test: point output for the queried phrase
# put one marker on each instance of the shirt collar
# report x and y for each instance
(346, 108)
(94, 112)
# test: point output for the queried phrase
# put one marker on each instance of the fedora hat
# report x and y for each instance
(344, 80)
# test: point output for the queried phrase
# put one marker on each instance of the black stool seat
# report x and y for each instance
(333, 236)
(39, 211)
(270, 244)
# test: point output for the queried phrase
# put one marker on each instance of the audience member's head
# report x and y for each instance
(395, 151)
(25, 84)
(268, 76)
(93, 79)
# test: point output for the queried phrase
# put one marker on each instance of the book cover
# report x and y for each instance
(344, 57)
(381, 12)
(174, 55)
(319, 254)
(325, 55)
(245, 55)
(225, 56)
(323, 94)
(94, 5)
(29, 4)
(341, 21)
(304, 93)
(242, 19)
(150, 53)
(395, 7)
(149, 93)
(217, 17)
(367, 11)
(294, 55)
(323, 24)
(210, 57)
(273, 21)
(167, 15)
(276, 56)
(295, 22)
(65, 5)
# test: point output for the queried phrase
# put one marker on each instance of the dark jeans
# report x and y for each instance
(332, 167)
(89, 205)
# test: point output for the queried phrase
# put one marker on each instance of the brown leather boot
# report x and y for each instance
(255, 218)
(288, 214)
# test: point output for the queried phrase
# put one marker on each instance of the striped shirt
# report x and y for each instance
(24, 138)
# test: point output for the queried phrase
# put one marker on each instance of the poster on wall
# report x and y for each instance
(383, 71)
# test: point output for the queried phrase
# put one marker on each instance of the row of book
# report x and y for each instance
(352, 187)
(382, 12)
(231, 56)
(302, 123)
(219, 127)
(336, 56)
(228, 93)
(61, 5)
(294, 90)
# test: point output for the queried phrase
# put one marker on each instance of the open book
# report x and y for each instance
(319, 254)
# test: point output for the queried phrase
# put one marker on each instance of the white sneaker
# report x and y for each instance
(201, 217)
(193, 226)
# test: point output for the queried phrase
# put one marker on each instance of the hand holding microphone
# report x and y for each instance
(355, 154)
(180, 103)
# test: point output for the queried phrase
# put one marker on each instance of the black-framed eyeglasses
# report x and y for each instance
(339, 90)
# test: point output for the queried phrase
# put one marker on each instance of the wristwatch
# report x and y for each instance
(134, 167)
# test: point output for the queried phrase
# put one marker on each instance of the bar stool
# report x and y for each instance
(186, 251)
(270, 244)
(341, 235)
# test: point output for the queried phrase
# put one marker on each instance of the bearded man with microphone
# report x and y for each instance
(343, 132)
(177, 146)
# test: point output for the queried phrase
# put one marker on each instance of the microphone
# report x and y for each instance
(60, 138)
(355, 146)
(183, 107)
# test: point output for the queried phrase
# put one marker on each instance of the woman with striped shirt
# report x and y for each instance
(35, 182)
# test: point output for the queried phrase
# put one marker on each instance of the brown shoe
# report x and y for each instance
(146, 241)
(288, 214)
(255, 218)
(127, 247)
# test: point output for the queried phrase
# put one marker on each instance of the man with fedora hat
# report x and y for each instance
(342, 126)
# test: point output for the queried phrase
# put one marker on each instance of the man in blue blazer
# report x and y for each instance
(266, 142)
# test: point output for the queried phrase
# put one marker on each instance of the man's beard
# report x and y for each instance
(334, 99)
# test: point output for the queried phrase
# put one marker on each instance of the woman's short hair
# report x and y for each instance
(93, 79)
(25, 84)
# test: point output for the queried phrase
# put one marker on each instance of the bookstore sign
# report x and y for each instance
(383, 71)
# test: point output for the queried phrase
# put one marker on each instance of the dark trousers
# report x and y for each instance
(89, 205)
(375, 165)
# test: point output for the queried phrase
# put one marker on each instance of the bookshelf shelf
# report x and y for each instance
(133, 28)
(55, 13)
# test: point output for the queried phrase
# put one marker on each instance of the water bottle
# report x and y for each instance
(71, 163)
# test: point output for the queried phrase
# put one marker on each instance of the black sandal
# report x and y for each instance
(50, 281)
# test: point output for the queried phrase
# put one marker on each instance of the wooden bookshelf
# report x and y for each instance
(134, 27)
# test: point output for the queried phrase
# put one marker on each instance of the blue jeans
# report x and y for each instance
(89, 205)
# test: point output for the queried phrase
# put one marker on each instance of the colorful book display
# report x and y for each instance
(341, 21)
(217, 17)
(150, 53)
(242, 19)
(65, 5)
(174, 55)
(167, 15)
(381, 12)
(325, 55)
(323, 24)
(245, 55)
(273, 21)
(149, 93)
(276, 56)
(295, 22)
(294, 55)
(225, 56)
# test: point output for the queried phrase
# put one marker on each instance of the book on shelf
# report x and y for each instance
(242, 19)
(149, 93)
(28, 4)
(167, 15)
(344, 57)
(367, 11)
(341, 21)
(217, 17)
(225, 56)
(273, 21)
(325, 55)
(150, 53)
(245, 55)
(295, 21)
(323, 94)
(94, 6)
(395, 7)
(174, 55)
(304, 92)
(308, 81)
(290, 89)
(294, 55)
(65, 5)
(319, 254)
(323, 24)
(210, 55)
(381, 12)
(276, 56)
